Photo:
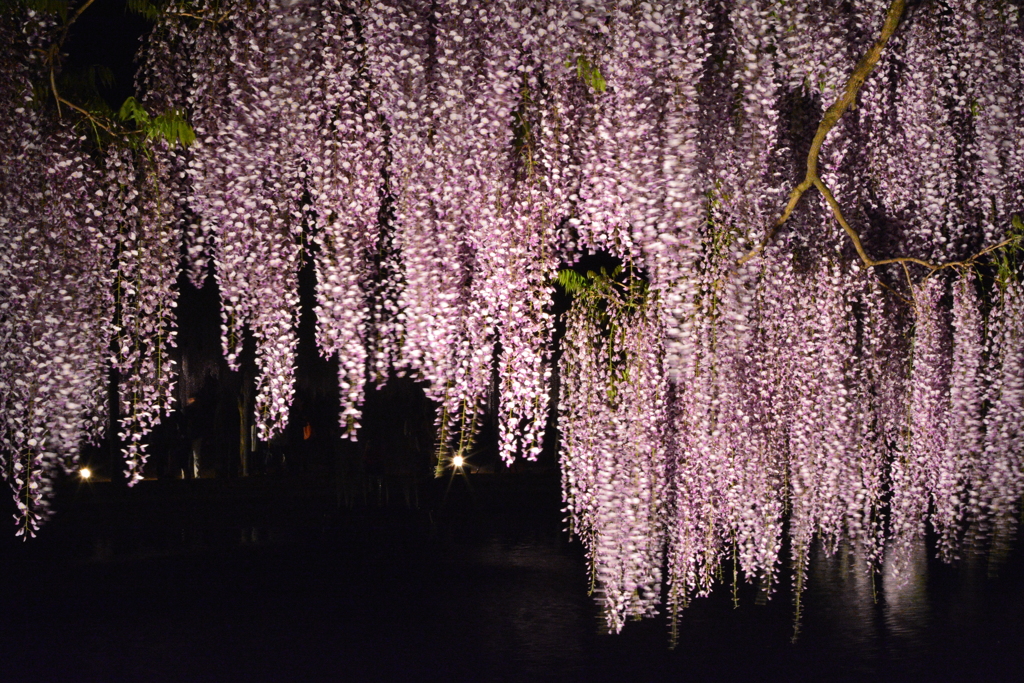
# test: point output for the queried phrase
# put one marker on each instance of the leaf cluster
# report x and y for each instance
(589, 73)
(611, 301)
(82, 86)
(77, 91)
(169, 126)
(1007, 259)
(144, 8)
(622, 286)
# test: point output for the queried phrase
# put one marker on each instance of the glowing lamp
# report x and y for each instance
(457, 461)
(85, 473)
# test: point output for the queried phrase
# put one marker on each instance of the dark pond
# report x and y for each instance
(389, 580)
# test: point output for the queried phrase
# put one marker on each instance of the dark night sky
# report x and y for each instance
(108, 34)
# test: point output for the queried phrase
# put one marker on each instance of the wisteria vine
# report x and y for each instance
(816, 332)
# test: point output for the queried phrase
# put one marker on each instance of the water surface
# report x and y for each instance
(264, 581)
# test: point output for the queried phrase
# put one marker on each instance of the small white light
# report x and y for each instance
(85, 473)
(457, 461)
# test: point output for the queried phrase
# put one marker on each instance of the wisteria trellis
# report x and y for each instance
(439, 160)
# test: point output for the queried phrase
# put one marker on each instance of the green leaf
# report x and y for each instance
(145, 9)
(172, 127)
(590, 74)
(82, 86)
(132, 111)
(571, 281)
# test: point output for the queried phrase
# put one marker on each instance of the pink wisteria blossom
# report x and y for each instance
(741, 387)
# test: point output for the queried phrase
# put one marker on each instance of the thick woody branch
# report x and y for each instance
(216, 20)
(830, 119)
(853, 235)
(812, 179)
(903, 260)
(74, 18)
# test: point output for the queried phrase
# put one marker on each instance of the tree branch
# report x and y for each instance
(910, 283)
(811, 179)
(829, 120)
(60, 100)
(92, 119)
(78, 13)
(202, 16)
(51, 56)
(53, 87)
(903, 260)
(72, 20)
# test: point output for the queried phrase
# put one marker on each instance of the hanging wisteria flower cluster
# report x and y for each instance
(56, 301)
(817, 334)
(612, 418)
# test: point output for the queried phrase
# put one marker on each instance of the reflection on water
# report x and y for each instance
(842, 594)
(871, 618)
(906, 606)
(918, 619)
(336, 593)
(535, 621)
